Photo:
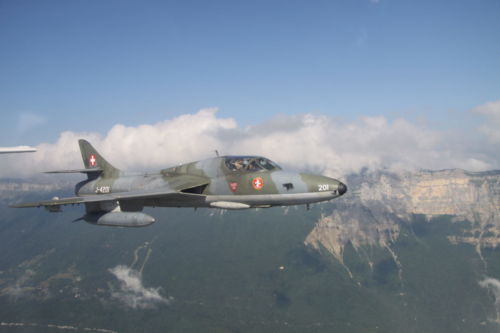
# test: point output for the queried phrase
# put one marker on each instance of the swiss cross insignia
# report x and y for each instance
(233, 186)
(92, 160)
(257, 183)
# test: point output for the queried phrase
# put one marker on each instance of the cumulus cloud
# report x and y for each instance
(306, 142)
(492, 128)
(490, 108)
(132, 291)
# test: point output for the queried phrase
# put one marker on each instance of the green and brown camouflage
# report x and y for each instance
(116, 198)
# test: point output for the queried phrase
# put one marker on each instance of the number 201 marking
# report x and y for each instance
(323, 187)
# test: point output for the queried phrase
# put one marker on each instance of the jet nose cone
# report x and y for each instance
(342, 188)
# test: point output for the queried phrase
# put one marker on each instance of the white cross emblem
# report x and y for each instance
(92, 160)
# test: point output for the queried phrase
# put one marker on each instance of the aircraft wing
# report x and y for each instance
(18, 149)
(134, 195)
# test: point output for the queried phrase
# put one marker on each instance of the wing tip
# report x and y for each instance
(24, 206)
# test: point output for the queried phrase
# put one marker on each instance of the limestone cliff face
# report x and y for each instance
(378, 203)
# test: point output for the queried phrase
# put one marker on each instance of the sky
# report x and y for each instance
(332, 86)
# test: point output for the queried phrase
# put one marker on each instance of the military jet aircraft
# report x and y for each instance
(115, 198)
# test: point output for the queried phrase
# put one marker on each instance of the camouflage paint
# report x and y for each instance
(206, 183)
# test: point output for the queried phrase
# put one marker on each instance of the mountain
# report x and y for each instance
(400, 252)
(381, 201)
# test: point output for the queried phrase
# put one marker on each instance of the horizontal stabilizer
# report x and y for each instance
(94, 170)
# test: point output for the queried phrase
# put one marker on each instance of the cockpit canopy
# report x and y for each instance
(250, 164)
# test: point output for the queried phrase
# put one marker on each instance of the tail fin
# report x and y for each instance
(92, 159)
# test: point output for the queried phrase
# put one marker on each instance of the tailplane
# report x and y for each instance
(93, 160)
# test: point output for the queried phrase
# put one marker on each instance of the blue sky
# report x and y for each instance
(87, 65)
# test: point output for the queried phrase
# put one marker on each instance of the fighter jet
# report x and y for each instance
(115, 198)
(18, 149)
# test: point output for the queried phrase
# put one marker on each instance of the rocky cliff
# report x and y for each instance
(378, 203)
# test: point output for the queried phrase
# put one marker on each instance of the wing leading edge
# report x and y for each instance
(136, 195)
(19, 149)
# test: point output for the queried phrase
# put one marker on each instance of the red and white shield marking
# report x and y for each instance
(257, 183)
(233, 186)
(92, 160)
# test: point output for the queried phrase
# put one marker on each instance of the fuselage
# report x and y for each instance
(223, 182)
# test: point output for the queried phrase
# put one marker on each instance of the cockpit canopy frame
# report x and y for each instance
(250, 164)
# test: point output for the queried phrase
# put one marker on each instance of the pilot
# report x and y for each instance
(238, 164)
(253, 166)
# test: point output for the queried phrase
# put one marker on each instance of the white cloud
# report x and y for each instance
(310, 142)
(494, 286)
(490, 108)
(132, 291)
(492, 127)
(18, 289)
